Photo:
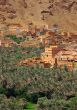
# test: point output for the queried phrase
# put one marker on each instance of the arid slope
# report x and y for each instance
(40, 12)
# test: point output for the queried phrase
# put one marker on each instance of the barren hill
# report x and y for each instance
(40, 12)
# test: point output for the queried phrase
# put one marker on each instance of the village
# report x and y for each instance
(60, 47)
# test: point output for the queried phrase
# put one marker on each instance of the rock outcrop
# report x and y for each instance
(40, 12)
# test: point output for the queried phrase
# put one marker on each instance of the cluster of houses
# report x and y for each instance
(45, 33)
(6, 42)
(31, 33)
(52, 39)
(54, 56)
(60, 57)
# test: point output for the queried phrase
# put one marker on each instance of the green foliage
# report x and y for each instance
(57, 104)
(57, 85)
(17, 40)
(3, 90)
(28, 52)
(30, 106)
(12, 103)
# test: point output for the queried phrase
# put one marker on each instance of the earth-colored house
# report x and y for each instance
(49, 54)
(6, 43)
(54, 54)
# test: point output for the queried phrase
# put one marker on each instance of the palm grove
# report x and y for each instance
(47, 88)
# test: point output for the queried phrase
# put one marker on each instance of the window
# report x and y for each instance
(47, 55)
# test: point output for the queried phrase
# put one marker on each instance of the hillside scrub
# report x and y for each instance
(49, 88)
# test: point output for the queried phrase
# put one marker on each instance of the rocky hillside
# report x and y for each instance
(61, 12)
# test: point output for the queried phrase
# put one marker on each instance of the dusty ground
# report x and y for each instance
(40, 12)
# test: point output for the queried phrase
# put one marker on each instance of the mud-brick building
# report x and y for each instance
(1, 33)
(61, 57)
(47, 40)
(15, 28)
(6, 43)
(49, 55)
(68, 58)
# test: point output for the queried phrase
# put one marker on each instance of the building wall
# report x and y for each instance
(47, 56)
(51, 53)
